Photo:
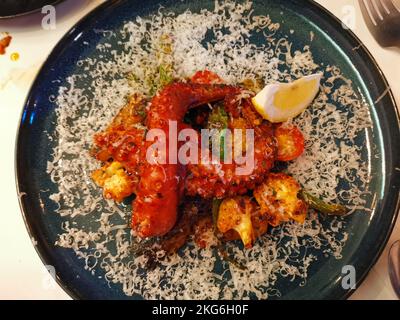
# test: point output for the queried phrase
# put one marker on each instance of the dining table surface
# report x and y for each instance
(22, 273)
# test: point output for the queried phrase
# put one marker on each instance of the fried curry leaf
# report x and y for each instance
(215, 210)
(165, 72)
(218, 118)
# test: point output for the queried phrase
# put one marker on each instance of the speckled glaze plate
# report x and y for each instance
(368, 230)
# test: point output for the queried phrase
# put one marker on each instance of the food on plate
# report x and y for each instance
(4, 43)
(239, 218)
(221, 180)
(114, 180)
(118, 147)
(278, 199)
(133, 167)
(161, 185)
(322, 206)
(280, 102)
(290, 142)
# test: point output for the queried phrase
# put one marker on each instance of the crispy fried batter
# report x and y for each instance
(120, 143)
(161, 185)
(195, 219)
(235, 214)
(239, 218)
(160, 188)
(278, 199)
(122, 140)
(114, 180)
(222, 180)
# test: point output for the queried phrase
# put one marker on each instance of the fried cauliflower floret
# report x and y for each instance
(278, 199)
(235, 214)
(114, 180)
(234, 223)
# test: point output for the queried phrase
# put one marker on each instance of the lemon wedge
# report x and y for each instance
(280, 102)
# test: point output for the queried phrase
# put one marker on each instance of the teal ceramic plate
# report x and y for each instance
(304, 23)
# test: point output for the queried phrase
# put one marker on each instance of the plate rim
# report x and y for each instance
(73, 293)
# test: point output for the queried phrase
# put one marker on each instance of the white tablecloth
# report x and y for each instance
(22, 274)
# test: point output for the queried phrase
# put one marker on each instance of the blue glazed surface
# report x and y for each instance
(332, 45)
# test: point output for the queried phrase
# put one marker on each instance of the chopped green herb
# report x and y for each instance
(166, 77)
(218, 119)
(141, 112)
(132, 77)
(152, 85)
(166, 44)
